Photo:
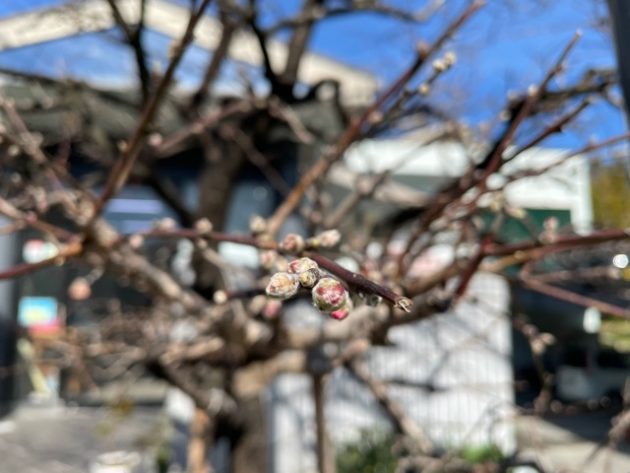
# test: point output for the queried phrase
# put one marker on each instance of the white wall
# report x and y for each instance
(465, 354)
(565, 187)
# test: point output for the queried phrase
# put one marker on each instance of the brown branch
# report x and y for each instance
(584, 150)
(354, 280)
(285, 113)
(134, 39)
(69, 251)
(325, 453)
(299, 41)
(198, 443)
(258, 159)
(214, 66)
(177, 141)
(121, 170)
(261, 37)
(510, 178)
(578, 299)
(364, 190)
(322, 13)
(471, 269)
(360, 283)
(527, 250)
(356, 128)
(10, 211)
(555, 127)
(480, 172)
(578, 274)
(402, 422)
(215, 402)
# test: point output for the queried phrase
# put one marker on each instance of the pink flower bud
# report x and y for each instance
(80, 289)
(342, 313)
(272, 309)
(309, 277)
(282, 286)
(329, 295)
(300, 265)
(136, 241)
(268, 258)
(293, 243)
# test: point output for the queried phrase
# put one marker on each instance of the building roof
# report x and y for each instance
(170, 19)
(427, 167)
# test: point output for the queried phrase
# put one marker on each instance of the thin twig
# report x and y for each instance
(121, 170)
(356, 128)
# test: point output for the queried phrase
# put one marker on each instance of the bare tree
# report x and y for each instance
(241, 341)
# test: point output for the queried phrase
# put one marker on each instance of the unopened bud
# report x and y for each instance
(439, 65)
(547, 338)
(257, 225)
(326, 239)
(136, 241)
(329, 295)
(537, 346)
(450, 58)
(516, 212)
(272, 309)
(293, 243)
(155, 139)
(309, 277)
(281, 264)
(282, 286)
(268, 258)
(203, 226)
(80, 289)
(220, 297)
(166, 224)
(300, 265)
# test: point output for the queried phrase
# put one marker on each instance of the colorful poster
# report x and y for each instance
(39, 314)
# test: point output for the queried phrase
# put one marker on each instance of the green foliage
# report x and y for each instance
(615, 334)
(611, 195)
(373, 453)
(481, 454)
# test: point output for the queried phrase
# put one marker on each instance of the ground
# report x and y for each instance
(59, 439)
(62, 439)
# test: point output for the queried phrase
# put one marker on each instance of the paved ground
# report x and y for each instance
(564, 444)
(36, 439)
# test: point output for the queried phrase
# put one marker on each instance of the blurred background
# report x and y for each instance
(101, 370)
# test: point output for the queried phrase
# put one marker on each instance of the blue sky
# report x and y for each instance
(505, 47)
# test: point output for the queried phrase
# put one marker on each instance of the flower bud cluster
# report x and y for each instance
(329, 295)
(295, 244)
